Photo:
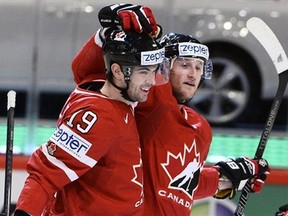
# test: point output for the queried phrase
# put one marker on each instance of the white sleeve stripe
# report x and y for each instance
(73, 144)
(97, 38)
(70, 173)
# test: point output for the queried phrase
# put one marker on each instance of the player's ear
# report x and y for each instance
(116, 71)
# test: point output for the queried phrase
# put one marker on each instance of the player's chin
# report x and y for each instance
(142, 96)
(189, 90)
(187, 95)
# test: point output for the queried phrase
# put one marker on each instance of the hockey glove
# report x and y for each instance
(258, 182)
(131, 17)
(283, 211)
(237, 172)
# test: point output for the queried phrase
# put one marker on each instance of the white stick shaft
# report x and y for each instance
(11, 101)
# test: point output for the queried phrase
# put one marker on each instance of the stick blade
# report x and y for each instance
(261, 31)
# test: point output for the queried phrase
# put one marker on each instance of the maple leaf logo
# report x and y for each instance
(137, 169)
(183, 169)
(51, 147)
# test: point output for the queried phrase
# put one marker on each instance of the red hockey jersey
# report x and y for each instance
(92, 163)
(175, 142)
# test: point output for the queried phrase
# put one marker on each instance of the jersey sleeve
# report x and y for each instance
(67, 155)
(88, 64)
(208, 183)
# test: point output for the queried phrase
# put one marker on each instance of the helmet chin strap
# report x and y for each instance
(124, 91)
(185, 102)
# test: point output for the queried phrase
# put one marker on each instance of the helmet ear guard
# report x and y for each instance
(127, 71)
(208, 69)
(207, 73)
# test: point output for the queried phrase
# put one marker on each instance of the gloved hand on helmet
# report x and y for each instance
(234, 173)
(130, 17)
(88, 64)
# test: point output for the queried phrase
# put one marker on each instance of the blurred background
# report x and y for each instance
(39, 38)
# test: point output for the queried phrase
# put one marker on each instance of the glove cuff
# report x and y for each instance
(223, 194)
(99, 37)
(102, 33)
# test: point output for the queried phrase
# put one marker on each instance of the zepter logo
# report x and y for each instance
(152, 57)
(193, 49)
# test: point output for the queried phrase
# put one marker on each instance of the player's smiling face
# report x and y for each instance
(141, 80)
(185, 77)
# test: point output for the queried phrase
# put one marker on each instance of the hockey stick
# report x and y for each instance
(11, 101)
(277, 54)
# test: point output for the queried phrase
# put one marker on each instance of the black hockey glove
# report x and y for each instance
(237, 172)
(130, 17)
(283, 211)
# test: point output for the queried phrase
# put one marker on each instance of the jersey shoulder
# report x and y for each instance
(159, 96)
(198, 122)
(94, 103)
(195, 118)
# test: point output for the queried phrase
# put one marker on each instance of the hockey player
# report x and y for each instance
(175, 139)
(92, 163)
(180, 138)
